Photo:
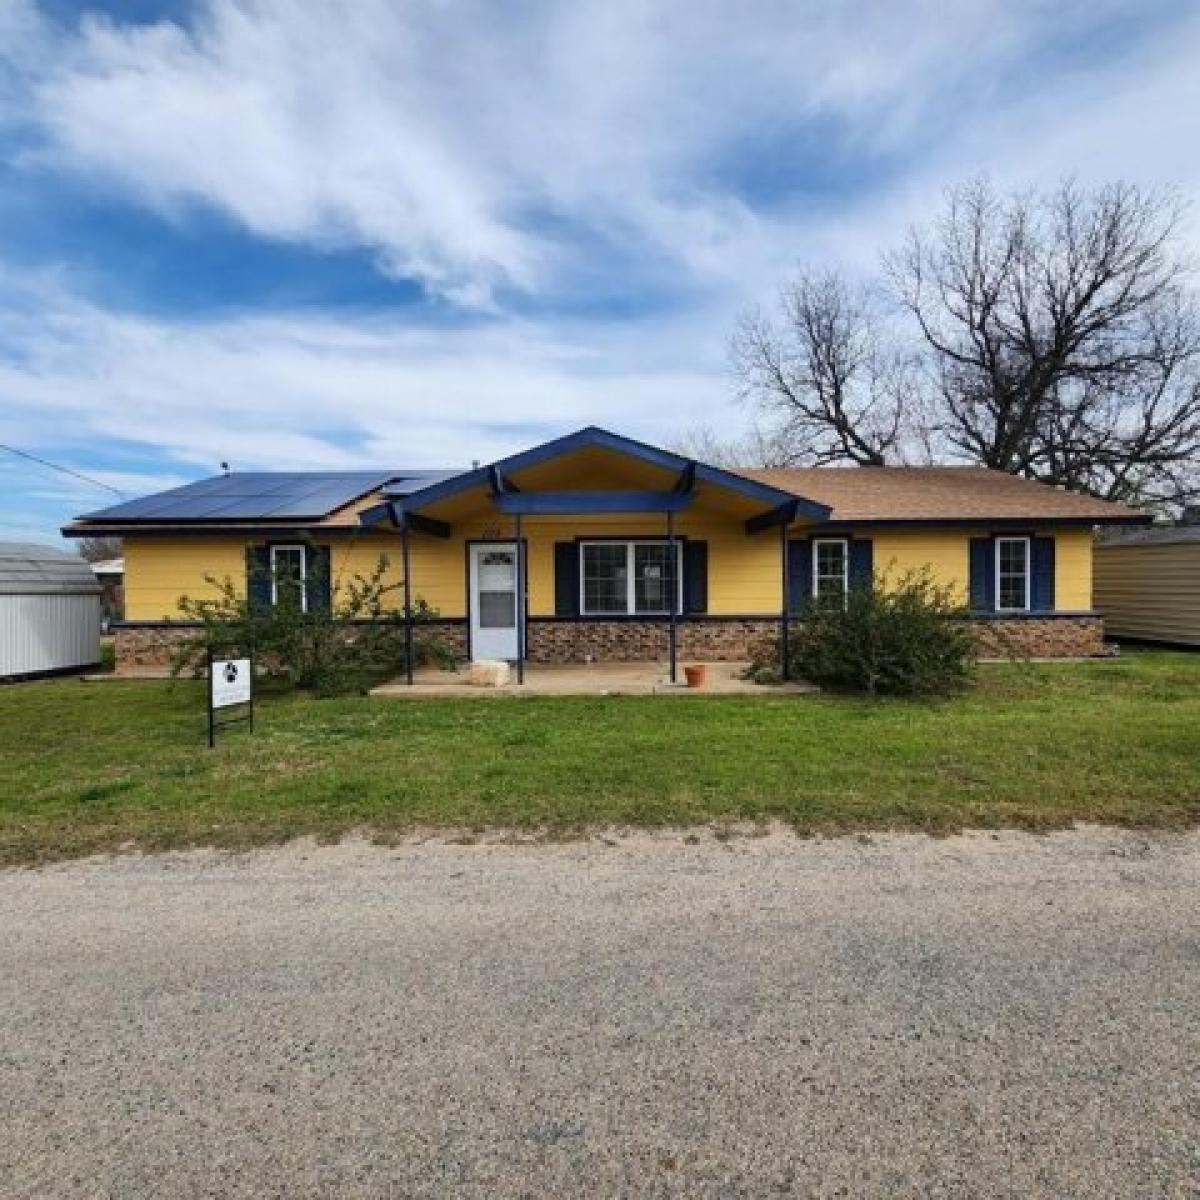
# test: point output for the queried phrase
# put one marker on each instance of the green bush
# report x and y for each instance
(902, 637)
(357, 641)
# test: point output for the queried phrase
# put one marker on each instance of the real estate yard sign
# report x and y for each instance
(230, 685)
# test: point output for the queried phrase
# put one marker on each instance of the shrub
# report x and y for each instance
(356, 641)
(902, 637)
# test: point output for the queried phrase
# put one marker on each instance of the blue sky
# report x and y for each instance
(415, 234)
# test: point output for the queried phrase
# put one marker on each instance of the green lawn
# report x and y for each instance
(88, 767)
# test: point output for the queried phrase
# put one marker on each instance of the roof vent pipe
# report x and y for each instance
(1190, 515)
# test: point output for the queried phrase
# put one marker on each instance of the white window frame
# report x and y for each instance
(303, 573)
(816, 558)
(1028, 605)
(630, 581)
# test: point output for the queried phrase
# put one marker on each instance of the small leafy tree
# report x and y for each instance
(358, 638)
(901, 637)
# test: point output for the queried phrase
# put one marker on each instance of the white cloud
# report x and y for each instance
(302, 391)
(467, 143)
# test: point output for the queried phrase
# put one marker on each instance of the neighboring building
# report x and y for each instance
(1148, 584)
(111, 574)
(624, 549)
(49, 611)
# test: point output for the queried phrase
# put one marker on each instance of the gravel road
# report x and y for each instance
(977, 1016)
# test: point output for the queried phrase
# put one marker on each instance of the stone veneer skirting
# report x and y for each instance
(705, 639)
(146, 645)
(1040, 637)
(710, 639)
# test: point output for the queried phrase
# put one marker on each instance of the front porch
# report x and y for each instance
(590, 679)
(595, 548)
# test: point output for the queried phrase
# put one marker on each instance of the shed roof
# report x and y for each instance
(860, 494)
(1171, 535)
(27, 569)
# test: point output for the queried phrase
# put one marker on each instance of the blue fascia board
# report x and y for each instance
(566, 503)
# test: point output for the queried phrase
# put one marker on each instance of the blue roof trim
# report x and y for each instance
(594, 436)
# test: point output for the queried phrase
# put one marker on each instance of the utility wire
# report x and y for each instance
(65, 470)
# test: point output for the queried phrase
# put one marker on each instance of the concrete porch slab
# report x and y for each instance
(597, 679)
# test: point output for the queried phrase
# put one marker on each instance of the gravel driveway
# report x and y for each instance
(979, 1016)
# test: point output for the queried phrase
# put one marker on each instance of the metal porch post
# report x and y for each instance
(520, 604)
(408, 616)
(674, 579)
(785, 617)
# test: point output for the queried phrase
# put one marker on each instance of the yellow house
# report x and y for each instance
(597, 547)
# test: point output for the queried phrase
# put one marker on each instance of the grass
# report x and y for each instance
(98, 767)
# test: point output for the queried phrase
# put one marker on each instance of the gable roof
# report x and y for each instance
(956, 494)
(593, 436)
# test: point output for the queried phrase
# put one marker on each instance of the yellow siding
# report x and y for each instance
(945, 554)
(1073, 569)
(160, 570)
(744, 576)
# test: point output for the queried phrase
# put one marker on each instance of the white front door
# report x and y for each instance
(494, 600)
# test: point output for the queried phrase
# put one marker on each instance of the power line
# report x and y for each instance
(65, 470)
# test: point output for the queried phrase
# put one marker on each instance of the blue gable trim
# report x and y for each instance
(593, 436)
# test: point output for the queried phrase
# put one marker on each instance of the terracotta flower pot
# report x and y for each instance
(697, 676)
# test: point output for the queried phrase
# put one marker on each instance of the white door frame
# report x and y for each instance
(494, 642)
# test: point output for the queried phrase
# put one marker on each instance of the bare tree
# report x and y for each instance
(825, 373)
(758, 447)
(99, 549)
(1061, 335)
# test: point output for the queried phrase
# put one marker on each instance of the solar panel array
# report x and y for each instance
(265, 495)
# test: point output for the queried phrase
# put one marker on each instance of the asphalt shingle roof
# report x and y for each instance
(936, 493)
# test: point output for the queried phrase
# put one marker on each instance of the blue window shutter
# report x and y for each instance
(566, 579)
(862, 563)
(695, 576)
(318, 582)
(258, 578)
(799, 571)
(1041, 586)
(983, 574)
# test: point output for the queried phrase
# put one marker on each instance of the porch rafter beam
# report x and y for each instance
(686, 483)
(783, 514)
(567, 503)
(500, 483)
(418, 523)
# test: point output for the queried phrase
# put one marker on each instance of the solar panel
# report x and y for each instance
(259, 494)
(414, 481)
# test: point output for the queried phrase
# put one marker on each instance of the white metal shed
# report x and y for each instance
(49, 611)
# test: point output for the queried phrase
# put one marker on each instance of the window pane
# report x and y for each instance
(1012, 560)
(497, 610)
(287, 563)
(651, 579)
(605, 578)
(830, 580)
